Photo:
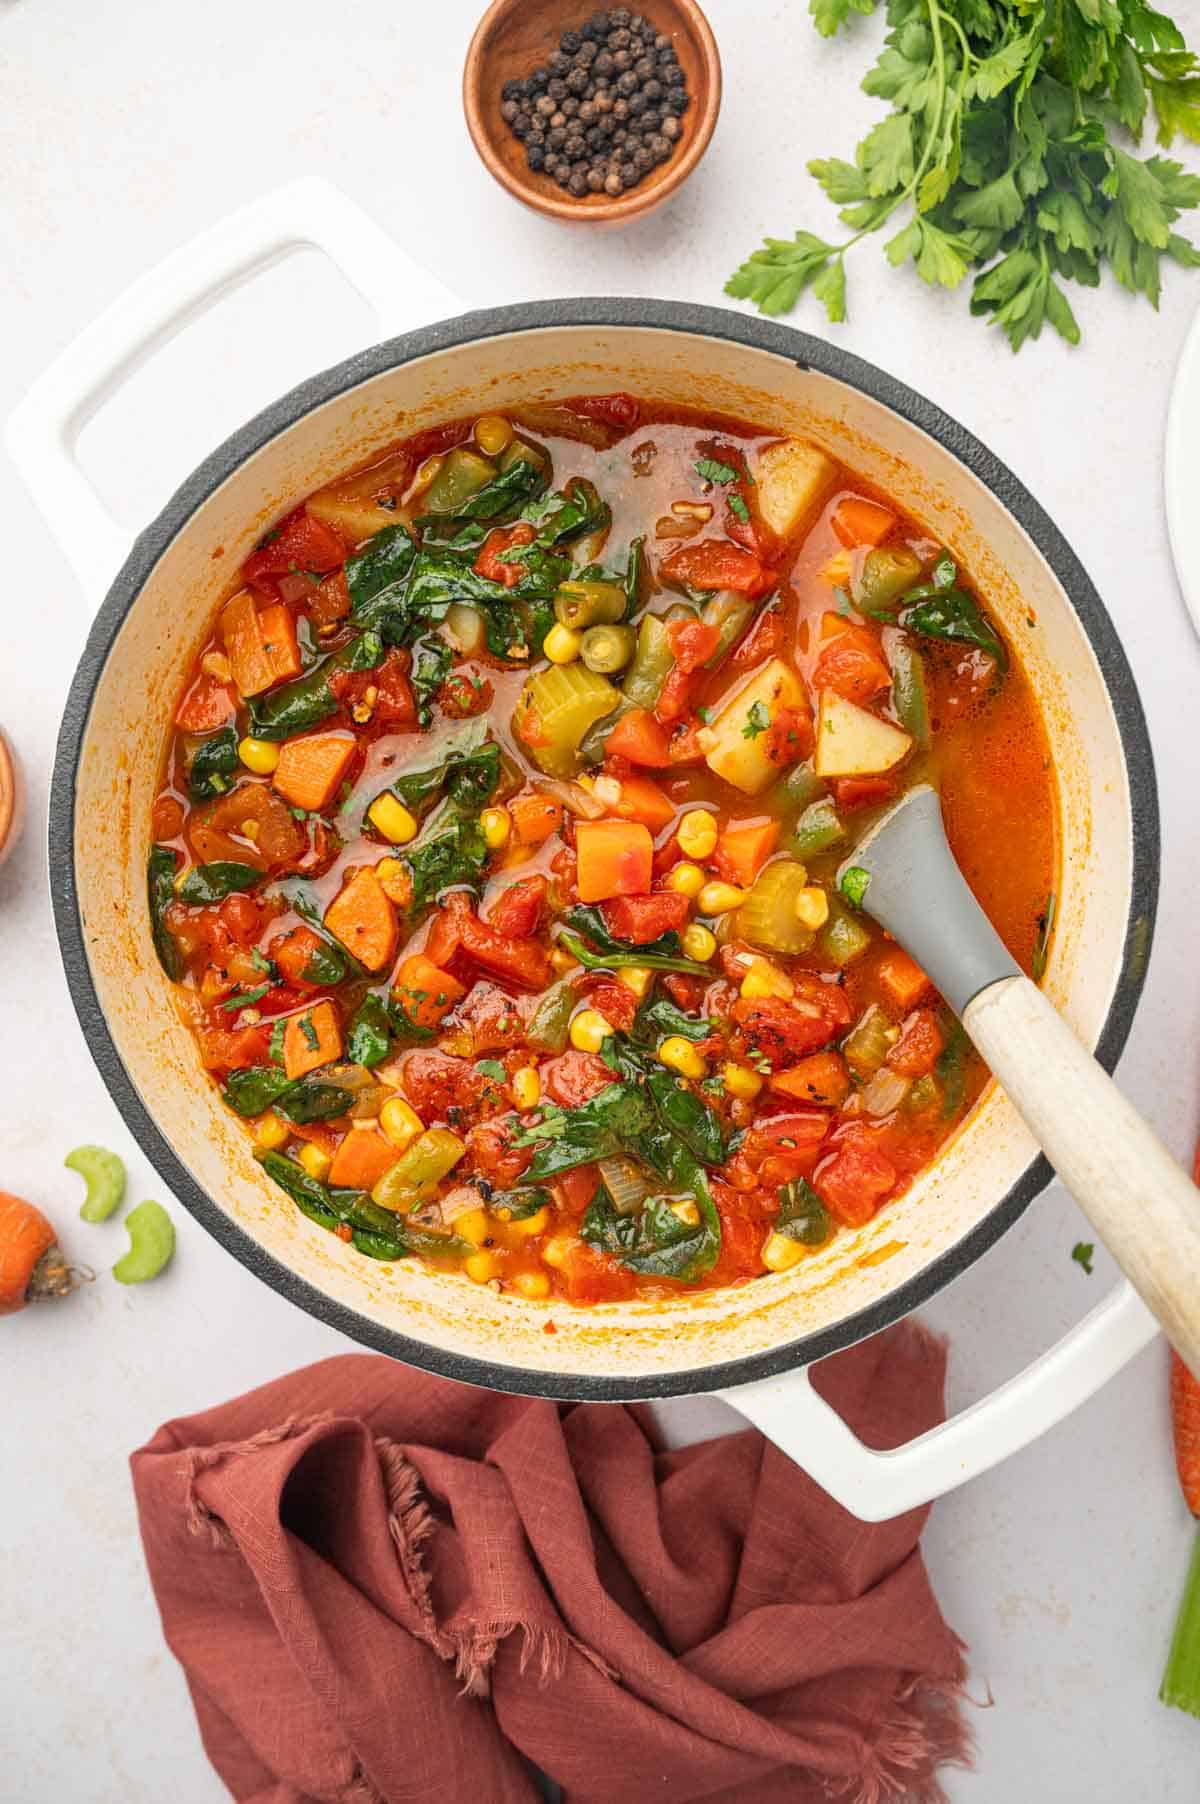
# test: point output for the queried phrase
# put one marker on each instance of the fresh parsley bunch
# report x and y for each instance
(1001, 154)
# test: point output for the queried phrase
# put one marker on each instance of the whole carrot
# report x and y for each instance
(1181, 1680)
(31, 1266)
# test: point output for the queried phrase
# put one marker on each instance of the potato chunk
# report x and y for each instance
(735, 743)
(853, 743)
(793, 478)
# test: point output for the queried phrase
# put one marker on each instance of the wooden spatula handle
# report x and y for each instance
(1142, 1205)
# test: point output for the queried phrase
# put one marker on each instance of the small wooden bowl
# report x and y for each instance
(9, 798)
(515, 36)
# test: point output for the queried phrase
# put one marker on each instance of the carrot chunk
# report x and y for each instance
(535, 818)
(364, 920)
(642, 800)
(424, 991)
(262, 648)
(639, 737)
(615, 859)
(902, 978)
(310, 769)
(362, 1158)
(743, 850)
(311, 1039)
(821, 1078)
(857, 521)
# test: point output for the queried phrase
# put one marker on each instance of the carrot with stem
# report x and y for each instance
(1181, 1681)
(32, 1268)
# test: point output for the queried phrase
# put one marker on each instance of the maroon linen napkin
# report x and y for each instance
(386, 1588)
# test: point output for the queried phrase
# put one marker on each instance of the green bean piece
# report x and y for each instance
(819, 827)
(799, 788)
(547, 1029)
(104, 1175)
(151, 1244)
(462, 474)
(910, 691)
(607, 649)
(731, 614)
(585, 603)
(652, 664)
(887, 573)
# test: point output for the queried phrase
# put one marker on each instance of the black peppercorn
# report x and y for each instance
(595, 179)
(519, 127)
(627, 83)
(587, 112)
(641, 27)
(621, 60)
(576, 81)
(653, 90)
(535, 138)
(578, 183)
(619, 16)
(540, 77)
(587, 53)
(644, 67)
(629, 174)
(570, 42)
(557, 119)
(556, 137)
(544, 105)
(637, 105)
(569, 107)
(603, 64)
(557, 88)
(620, 109)
(620, 40)
(573, 149)
(650, 122)
(643, 159)
(562, 174)
(535, 157)
(603, 103)
(620, 136)
(670, 127)
(662, 42)
(558, 62)
(509, 111)
(596, 26)
(512, 90)
(613, 184)
(661, 146)
(593, 136)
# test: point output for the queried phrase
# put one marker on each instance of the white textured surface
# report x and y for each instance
(122, 131)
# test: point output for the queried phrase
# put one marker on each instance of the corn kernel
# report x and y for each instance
(686, 1212)
(388, 815)
(636, 979)
(472, 1225)
(315, 1160)
(561, 961)
(493, 434)
(533, 1285)
(270, 1132)
(531, 1225)
(561, 645)
(588, 1031)
(698, 943)
(400, 1122)
(781, 1253)
(258, 755)
(526, 1087)
(687, 880)
(765, 979)
(249, 830)
(216, 665)
(719, 898)
(496, 825)
(608, 791)
(740, 1081)
(481, 1267)
(697, 833)
(394, 881)
(556, 1251)
(680, 1055)
(812, 907)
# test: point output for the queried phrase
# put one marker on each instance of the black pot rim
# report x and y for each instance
(807, 352)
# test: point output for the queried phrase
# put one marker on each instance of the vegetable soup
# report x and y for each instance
(495, 860)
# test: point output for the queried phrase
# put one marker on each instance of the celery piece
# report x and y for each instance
(1181, 1681)
(868, 1042)
(463, 474)
(844, 939)
(767, 918)
(556, 709)
(799, 788)
(819, 827)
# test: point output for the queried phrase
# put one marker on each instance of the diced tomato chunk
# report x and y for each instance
(765, 639)
(436, 1084)
(852, 664)
(789, 737)
(640, 919)
(674, 698)
(207, 705)
(920, 1045)
(619, 410)
(612, 1000)
(301, 542)
(857, 1176)
(459, 929)
(692, 642)
(862, 792)
(490, 562)
(518, 910)
(491, 1153)
(717, 564)
(574, 1078)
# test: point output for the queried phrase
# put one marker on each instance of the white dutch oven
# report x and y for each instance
(751, 1343)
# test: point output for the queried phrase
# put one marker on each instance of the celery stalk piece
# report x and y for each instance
(1180, 1687)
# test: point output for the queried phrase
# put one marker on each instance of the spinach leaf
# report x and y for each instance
(256, 1088)
(802, 1215)
(213, 762)
(953, 614)
(160, 893)
(662, 1017)
(326, 965)
(449, 850)
(951, 1067)
(309, 700)
(377, 575)
(369, 1037)
(210, 882)
(431, 662)
(520, 1203)
(635, 576)
(384, 1235)
(662, 954)
(686, 1117)
(594, 1130)
(506, 492)
(655, 1242)
(567, 513)
(313, 1099)
(243, 999)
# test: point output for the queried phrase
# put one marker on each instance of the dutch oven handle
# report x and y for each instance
(43, 430)
(876, 1485)
(41, 437)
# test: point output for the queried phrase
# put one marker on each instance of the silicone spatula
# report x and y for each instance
(1141, 1204)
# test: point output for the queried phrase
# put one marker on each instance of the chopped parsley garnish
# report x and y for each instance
(491, 1068)
(711, 469)
(233, 1003)
(704, 714)
(1082, 1252)
(311, 1036)
(757, 721)
(738, 508)
(854, 885)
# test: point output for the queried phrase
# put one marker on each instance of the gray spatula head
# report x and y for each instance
(914, 888)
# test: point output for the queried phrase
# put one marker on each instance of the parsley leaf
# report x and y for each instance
(757, 721)
(1082, 1253)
